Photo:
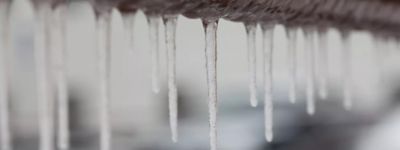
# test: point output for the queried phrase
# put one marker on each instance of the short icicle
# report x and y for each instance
(268, 50)
(104, 68)
(5, 134)
(43, 83)
(170, 22)
(347, 75)
(292, 55)
(129, 21)
(59, 69)
(210, 27)
(322, 64)
(154, 21)
(310, 71)
(251, 29)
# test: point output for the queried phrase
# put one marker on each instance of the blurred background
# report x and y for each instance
(140, 118)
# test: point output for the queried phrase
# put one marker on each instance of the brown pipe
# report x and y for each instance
(381, 16)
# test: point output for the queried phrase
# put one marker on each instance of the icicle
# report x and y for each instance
(251, 29)
(129, 21)
(292, 43)
(347, 75)
(379, 52)
(5, 135)
(59, 68)
(268, 48)
(210, 27)
(45, 103)
(104, 64)
(170, 34)
(322, 63)
(310, 72)
(153, 21)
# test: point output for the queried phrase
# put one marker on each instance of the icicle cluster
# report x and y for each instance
(50, 34)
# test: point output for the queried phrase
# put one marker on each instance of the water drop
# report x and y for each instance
(210, 28)
(268, 49)
(154, 21)
(170, 22)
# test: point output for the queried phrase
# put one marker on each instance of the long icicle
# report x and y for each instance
(292, 44)
(59, 46)
(322, 64)
(268, 49)
(45, 103)
(5, 134)
(170, 22)
(251, 29)
(154, 21)
(309, 37)
(210, 27)
(347, 75)
(104, 65)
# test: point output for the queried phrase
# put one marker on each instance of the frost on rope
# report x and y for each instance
(268, 49)
(154, 21)
(210, 28)
(170, 36)
(251, 29)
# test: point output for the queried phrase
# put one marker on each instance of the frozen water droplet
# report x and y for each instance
(210, 27)
(170, 22)
(104, 65)
(268, 48)
(154, 21)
